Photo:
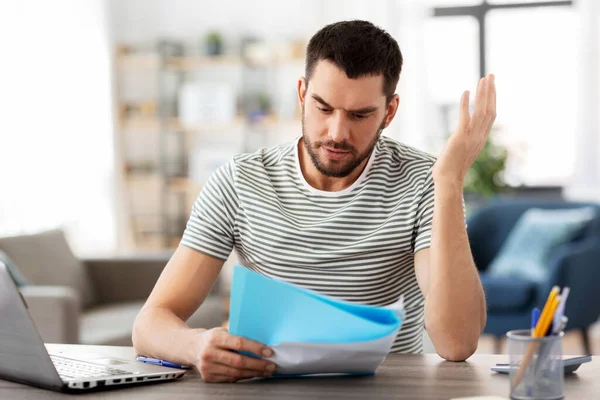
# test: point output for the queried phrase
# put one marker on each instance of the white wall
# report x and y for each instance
(56, 155)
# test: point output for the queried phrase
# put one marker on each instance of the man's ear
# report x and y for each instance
(391, 109)
(302, 86)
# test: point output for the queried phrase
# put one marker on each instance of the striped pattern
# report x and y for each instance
(357, 244)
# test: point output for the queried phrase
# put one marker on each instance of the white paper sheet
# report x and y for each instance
(316, 358)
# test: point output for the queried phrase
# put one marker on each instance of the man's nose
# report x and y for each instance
(339, 130)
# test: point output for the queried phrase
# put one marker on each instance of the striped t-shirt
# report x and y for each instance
(357, 244)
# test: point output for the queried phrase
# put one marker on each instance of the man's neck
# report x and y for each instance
(318, 180)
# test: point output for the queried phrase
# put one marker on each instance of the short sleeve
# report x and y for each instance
(210, 227)
(423, 225)
(422, 232)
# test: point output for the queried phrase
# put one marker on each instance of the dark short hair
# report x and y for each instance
(359, 48)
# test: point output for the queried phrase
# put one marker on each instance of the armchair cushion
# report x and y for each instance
(504, 294)
(112, 324)
(46, 259)
(112, 276)
(525, 253)
(576, 266)
(109, 324)
(55, 312)
(13, 270)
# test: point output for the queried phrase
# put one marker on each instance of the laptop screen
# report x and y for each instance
(23, 356)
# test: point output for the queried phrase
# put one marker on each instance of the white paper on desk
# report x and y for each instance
(320, 358)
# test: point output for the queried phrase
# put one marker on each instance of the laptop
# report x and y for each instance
(25, 359)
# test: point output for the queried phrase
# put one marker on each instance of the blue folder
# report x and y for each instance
(271, 311)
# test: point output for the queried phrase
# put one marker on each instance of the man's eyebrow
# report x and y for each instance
(364, 110)
(320, 100)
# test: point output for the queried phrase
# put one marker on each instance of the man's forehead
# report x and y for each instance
(331, 84)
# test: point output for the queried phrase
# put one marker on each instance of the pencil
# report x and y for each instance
(553, 293)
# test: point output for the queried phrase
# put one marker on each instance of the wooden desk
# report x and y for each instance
(400, 377)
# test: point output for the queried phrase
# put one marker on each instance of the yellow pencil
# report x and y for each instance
(545, 324)
(553, 293)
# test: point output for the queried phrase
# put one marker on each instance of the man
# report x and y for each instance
(343, 211)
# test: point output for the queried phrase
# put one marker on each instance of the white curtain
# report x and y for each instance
(56, 140)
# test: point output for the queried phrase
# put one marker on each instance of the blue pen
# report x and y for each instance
(535, 316)
(162, 363)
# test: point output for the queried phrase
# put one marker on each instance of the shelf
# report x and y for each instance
(147, 123)
(152, 61)
(138, 61)
(236, 123)
(190, 63)
(153, 124)
(143, 181)
(182, 184)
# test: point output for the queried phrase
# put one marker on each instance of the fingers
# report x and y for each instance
(231, 342)
(239, 361)
(485, 97)
(480, 98)
(221, 361)
(464, 116)
(491, 102)
(489, 115)
(485, 106)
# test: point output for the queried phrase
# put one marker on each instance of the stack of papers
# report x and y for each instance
(311, 333)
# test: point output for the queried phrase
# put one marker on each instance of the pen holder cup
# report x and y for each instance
(536, 368)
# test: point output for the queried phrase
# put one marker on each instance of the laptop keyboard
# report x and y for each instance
(73, 369)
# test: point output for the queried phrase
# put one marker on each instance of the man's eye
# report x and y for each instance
(325, 110)
(358, 116)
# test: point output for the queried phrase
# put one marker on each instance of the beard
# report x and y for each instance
(338, 168)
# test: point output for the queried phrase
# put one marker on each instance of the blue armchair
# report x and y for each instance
(575, 264)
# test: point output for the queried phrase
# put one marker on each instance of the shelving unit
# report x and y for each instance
(153, 124)
(159, 190)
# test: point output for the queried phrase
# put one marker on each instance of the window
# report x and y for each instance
(531, 48)
(451, 57)
(537, 83)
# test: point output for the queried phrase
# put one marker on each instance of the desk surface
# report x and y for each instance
(399, 377)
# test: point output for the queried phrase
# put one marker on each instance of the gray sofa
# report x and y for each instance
(92, 300)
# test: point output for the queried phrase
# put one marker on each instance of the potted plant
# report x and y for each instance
(484, 179)
(213, 44)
